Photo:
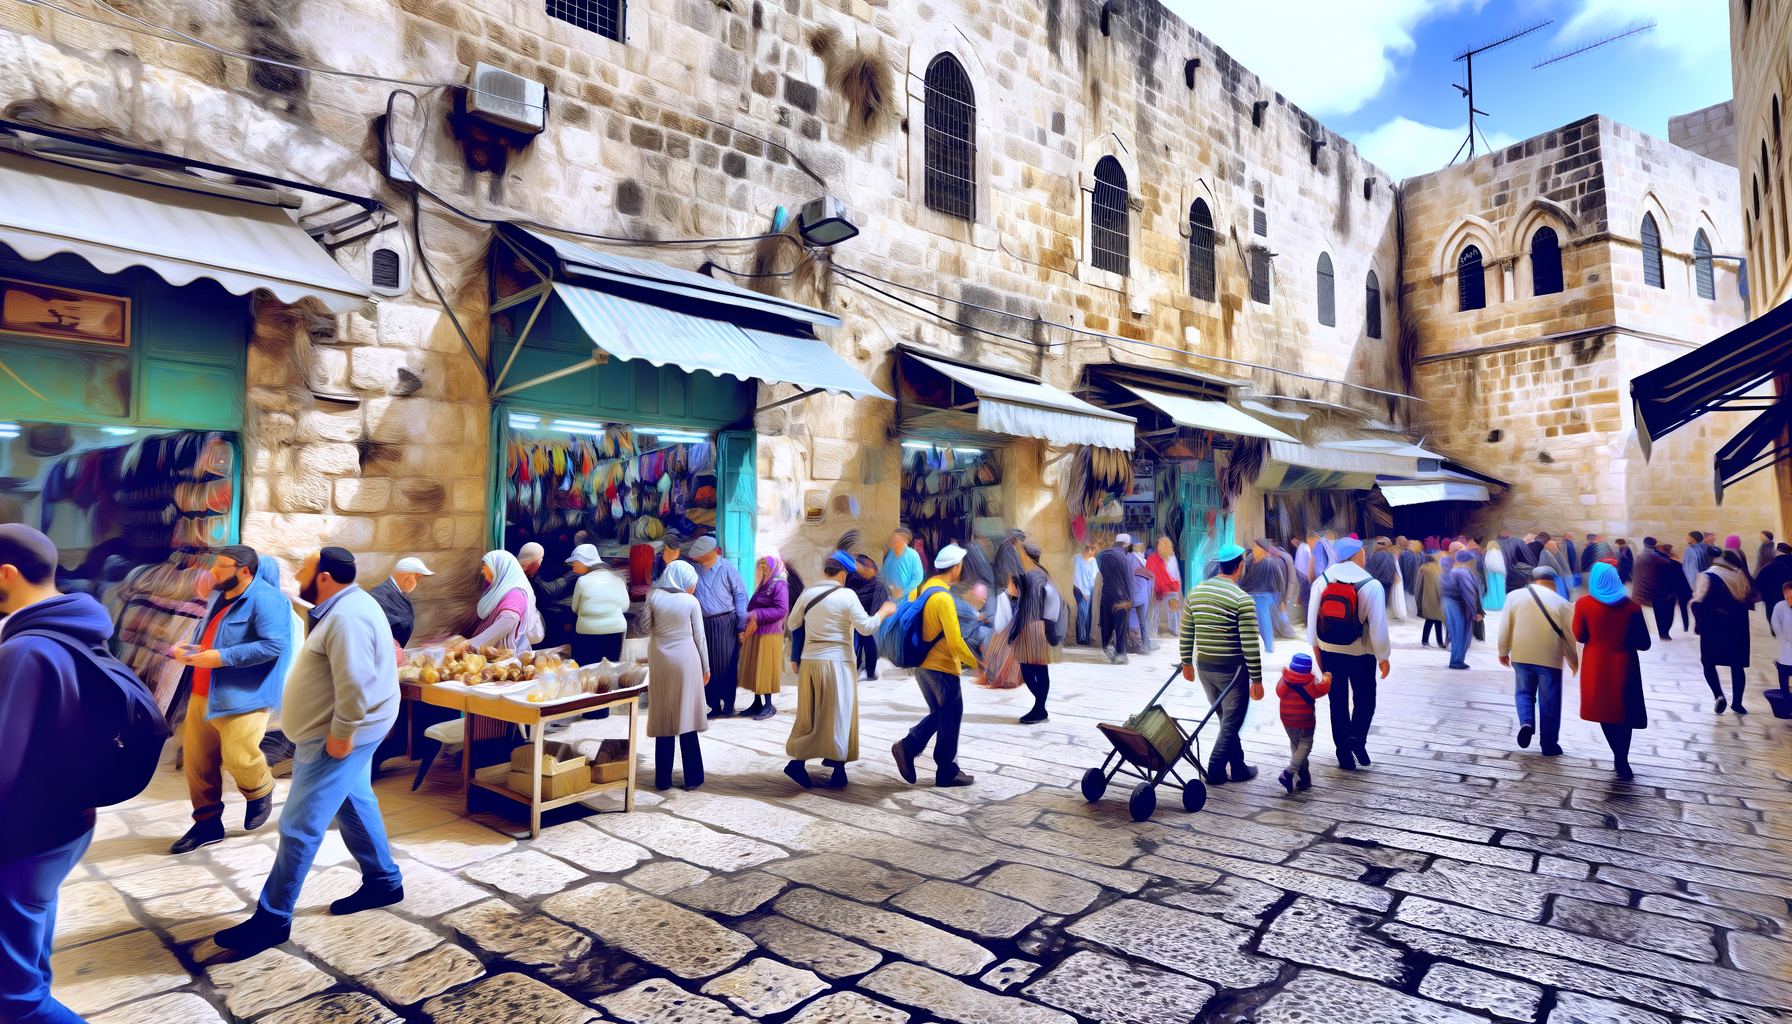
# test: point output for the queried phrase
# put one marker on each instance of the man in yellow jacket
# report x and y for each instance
(938, 676)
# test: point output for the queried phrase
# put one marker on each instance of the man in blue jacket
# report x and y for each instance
(238, 660)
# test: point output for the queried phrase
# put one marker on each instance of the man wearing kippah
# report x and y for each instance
(1220, 646)
(341, 700)
(938, 677)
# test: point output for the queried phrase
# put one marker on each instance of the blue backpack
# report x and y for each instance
(899, 636)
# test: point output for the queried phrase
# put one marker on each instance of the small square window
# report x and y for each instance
(601, 16)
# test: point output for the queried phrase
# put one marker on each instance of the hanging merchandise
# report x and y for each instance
(950, 495)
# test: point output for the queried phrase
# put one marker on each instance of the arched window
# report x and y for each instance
(1328, 292)
(1471, 282)
(1701, 265)
(950, 141)
(1109, 235)
(1372, 307)
(1652, 253)
(1546, 262)
(1200, 251)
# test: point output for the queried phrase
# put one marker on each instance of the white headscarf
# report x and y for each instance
(507, 575)
(679, 576)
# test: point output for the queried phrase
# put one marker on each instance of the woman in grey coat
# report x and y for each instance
(677, 669)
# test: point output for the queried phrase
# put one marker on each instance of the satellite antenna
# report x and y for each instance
(1468, 92)
(1577, 51)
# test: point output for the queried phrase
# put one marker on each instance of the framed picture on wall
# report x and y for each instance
(64, 314)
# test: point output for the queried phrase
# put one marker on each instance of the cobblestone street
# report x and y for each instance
(1457, 879)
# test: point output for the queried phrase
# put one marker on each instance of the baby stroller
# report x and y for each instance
(1151, 746)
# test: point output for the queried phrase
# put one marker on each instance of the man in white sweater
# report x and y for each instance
(341, 699)
(1533, 644)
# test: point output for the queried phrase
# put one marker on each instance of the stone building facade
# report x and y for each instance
(372, 429)
(1533, 386)
(1709, 132)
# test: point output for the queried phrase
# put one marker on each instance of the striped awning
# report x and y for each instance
(626, 329)
(1024, 408)
(1209, 415)
(1442, 490)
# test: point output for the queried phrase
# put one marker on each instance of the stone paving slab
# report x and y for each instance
(846, 876)
(507, 999)
(266, 981)
(1047, 890)
(1114, 991)
(848, 1008)
(901, 935)
(1478, 990)
(1191, 943)
(951, 999)
(965, 909)
(174, 1008)
(525, 873)
(681, 941)
(442, 968)
(102, 974)
(501, 930)
(359, 943)
(762, 987)
(1312, 997)
(662, 1002)
(827, 955)
(1325, 935)
(730, 897)
(339, 1008)
(86, 911)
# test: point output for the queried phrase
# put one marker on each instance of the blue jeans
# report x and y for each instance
(28, 889)
(1083, 609)
(1540, 687)
(326, 788)
(945, 713)
(1459, 623)
(1266, 622)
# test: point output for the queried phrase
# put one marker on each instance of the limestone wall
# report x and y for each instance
(1710, 132)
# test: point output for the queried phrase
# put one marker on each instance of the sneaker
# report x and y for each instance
(255, 814)
(1287, 781)
(765, 712)
(1123, 660)
(203, 833)
(1303, 780)
(1524, 735)
(367, 897)
(1362, 755)
(1347, 760)
(1551, 750)
(961, 779)
(262, 931)
(905, 765)
(1109, 651)
(799, 773)
(1243, 773)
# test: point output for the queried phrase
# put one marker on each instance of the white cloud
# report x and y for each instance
(1405, 148)
(1696, 31)
(1327, 56)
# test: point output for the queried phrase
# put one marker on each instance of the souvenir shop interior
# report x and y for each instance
(133, 512)
(951, 493)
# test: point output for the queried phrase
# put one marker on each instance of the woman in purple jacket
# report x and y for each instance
(762, 641)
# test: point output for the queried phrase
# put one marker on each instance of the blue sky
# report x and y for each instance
(1379, 72)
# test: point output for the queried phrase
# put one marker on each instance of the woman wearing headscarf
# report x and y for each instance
(1493, 563)
(829, 614)
(507, 615)
(762, 641)
(1611, 628)
(677, 670)
(1431, 600)
(1722, 602)
(1031, 635)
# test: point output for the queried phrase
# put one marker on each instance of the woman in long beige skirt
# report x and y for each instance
(827, 686)
(762, 638)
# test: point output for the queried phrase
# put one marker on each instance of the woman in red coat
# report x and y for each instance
(1613, 630)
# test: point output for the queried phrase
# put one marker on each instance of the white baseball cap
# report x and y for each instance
(585, 555)
(413, 565)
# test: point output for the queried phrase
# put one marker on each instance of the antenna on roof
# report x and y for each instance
(1577, 51)
(1468, 92)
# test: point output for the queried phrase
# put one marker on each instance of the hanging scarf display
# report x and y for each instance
(607, 485)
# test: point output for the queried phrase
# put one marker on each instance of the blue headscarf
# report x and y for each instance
(843, 561)
(1605, 585)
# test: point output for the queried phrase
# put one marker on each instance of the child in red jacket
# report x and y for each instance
(1298, 691)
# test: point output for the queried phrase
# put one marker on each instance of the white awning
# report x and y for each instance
(116, 223)
(1208, 415)
(1418, 493)
(627, 329)
(1341, 461)
(1023, 408)
(1383, 446)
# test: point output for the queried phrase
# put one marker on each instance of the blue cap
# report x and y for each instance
(1228, 553)
(1347, 548)
(1301, 664)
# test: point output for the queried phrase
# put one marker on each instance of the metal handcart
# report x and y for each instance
(1151, 746)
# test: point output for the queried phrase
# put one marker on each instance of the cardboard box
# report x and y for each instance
(556, 757)
(611, 764)
(553, 787)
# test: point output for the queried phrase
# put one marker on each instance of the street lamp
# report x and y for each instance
(823, 222)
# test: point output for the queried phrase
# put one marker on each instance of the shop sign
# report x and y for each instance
(64, 314)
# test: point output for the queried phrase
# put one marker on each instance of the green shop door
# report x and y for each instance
(737, 469)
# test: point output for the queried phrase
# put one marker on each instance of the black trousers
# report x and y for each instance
(1736, 682)
(945, 714)
(688, 750)
(1430, 624)
(1113, 621)
(722, 633)
(1039, 682)
(865, 647)
(1352, 698)
(1618, 738)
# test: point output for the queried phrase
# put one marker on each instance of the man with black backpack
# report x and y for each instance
(1347, 624)
(77, 731)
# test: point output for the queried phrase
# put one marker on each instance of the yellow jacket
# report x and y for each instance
(940, 615)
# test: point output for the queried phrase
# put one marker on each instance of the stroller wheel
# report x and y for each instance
(1194, 795)
(1094, 784)
(1143, 801)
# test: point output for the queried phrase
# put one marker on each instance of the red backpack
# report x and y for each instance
(1338, 621)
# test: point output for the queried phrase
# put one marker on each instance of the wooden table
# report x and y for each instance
(493, 778)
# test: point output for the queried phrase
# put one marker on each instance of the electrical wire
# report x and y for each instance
(956, 323)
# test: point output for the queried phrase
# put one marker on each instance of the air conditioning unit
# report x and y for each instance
(508, 100)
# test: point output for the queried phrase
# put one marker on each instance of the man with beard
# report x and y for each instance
(341, 700)
(1114, 567)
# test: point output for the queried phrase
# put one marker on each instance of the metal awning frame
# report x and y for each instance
(1754, 448)
(541, 291)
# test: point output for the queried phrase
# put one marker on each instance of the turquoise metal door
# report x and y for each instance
(737, 472)
(1199, 496)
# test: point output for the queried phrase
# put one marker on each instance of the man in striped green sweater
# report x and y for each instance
(1219, 645)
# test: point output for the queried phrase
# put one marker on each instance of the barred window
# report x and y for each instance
(951, 139)
(1109, 234)
(1546, 262)
(1328, 292)
(1701, 265)
(1259, 218)
(601, 16)
(1471, 282)
(1260, 274)
(1652, 276)
(1372, 307)
(1200, 251)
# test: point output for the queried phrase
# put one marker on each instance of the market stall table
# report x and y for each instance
(472, 704)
